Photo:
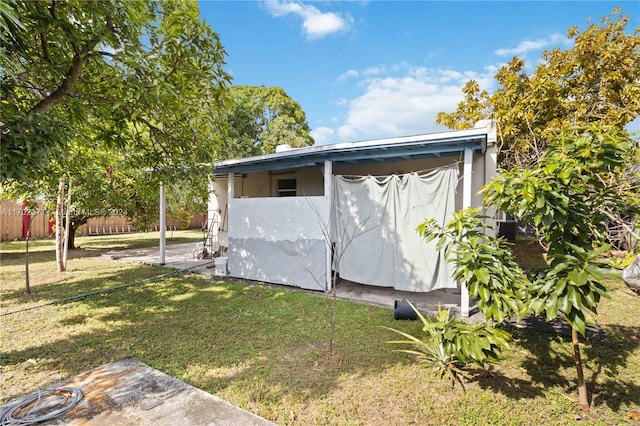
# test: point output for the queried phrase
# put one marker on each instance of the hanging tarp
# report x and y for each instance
(374, 223)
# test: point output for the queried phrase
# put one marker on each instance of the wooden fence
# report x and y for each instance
(120, 225)
(14, 221)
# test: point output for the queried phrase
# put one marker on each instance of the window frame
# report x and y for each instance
(286, 192)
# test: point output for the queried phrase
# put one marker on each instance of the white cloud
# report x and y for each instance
(367, 72)
(322, 135)
(316, 24)
(526, 46)
(405, 104)
(400, 106)
(346, 132)
(349, 74)
(374, 70)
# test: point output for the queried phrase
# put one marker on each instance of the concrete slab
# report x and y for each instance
(427, 303)
(178, 256)
(128, 392)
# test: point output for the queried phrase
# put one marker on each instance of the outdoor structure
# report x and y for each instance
(282, 215)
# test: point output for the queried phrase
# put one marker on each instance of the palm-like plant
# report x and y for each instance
(453, 346)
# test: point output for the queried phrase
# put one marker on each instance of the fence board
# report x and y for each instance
(12, 217)
(11, 220)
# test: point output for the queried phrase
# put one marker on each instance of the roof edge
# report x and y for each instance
(316, 149)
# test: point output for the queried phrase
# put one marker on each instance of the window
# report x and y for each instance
(287, 187)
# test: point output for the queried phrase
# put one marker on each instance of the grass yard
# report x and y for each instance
(266, 350)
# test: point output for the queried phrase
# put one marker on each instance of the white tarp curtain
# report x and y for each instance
(279, 240)
(374, 223)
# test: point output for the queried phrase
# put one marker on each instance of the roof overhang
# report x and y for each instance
(432, 145)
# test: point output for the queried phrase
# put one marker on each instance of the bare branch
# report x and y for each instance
(103, 53)
(73, 73)
(621, 223)
(65, 88)
(44, 43)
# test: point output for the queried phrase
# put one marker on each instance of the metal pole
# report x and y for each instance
(163, 223)
(328, 186)
(466, 202)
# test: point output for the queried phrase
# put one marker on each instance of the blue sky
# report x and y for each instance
(374, 69)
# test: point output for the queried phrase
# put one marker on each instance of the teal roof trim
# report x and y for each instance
(396, 149)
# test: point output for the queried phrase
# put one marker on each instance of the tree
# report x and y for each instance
(261, 119)
(144, 79)
(565, 197)
(10, 25)
(594, 81)
(186, 199)
(142, 74)
(486, 265)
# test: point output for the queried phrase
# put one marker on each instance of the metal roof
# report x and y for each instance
(392, 149)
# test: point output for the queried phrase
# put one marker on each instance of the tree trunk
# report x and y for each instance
(72, 236)
(59, 226)
(334, 315)
(583, 399)
(67, 227)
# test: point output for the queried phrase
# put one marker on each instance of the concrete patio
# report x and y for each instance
(128, 392)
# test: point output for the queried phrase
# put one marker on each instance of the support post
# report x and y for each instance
(467, 178)
(230, 189)
(163, 224)
(328, 195)
(231, 186)
(213, 219)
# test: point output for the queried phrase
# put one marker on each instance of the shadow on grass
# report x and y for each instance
(42, 256)
(607, 361)
(72, 284)
(510, 387)
(269, 343)
(550, 362)
(17, 259)
(44, 250)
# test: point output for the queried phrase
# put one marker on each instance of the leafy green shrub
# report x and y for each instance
(452, 346)
(484, 264)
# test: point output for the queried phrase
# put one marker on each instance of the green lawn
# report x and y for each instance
(105, 242)
(266, 350)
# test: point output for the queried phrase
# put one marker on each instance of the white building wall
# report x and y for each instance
(279, 240)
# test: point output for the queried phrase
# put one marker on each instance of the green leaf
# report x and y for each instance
(565, 303)
(578, 278)
(573, 295)
(482, 275)
(576, 320)
(528, 193)
(537, 305)
(484, 293)
(551, 308)
(588, 296)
